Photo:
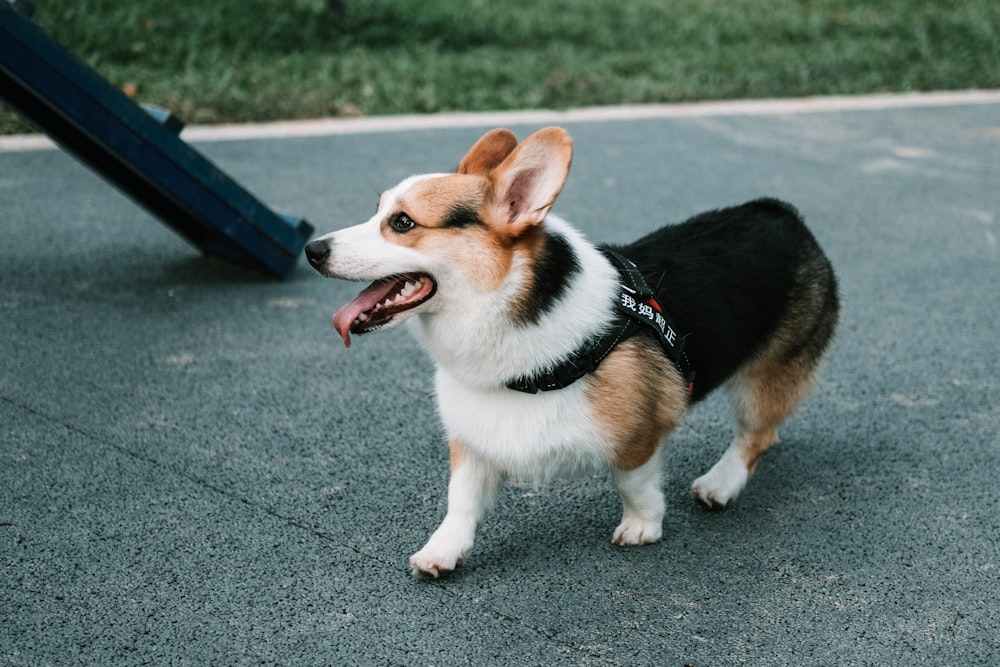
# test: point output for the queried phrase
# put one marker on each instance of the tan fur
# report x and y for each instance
(429, 203)
(637, 396)
(763, 394)
(770, 387)
(456, 454)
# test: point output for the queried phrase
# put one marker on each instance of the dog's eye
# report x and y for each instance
(401, 223)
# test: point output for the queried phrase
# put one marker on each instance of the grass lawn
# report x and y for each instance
(255, 60)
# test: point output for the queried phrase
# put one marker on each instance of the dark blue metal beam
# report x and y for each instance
(140, 152)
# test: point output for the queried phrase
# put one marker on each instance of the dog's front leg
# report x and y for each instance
(471, 491)
(643, 503)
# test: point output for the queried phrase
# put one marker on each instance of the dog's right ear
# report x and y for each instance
(491, 149)
(527, 182)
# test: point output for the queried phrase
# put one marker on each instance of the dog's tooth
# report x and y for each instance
(362, 317)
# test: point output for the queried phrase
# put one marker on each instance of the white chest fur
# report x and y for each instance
(533, 436)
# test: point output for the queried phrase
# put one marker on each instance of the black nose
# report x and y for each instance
(317, 252)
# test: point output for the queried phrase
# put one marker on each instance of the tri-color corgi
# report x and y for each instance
(554, 354)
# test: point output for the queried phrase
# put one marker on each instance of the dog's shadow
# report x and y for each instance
(545, 528)
(567, 525)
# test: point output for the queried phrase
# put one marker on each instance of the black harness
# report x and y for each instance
(636, 308)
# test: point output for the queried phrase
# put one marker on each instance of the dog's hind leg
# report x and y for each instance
(762, 397)
(769, 387)
(762, 394)
(471, 492)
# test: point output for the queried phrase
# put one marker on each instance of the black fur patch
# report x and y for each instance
(730, 277)
(554, 269)
(462, 216)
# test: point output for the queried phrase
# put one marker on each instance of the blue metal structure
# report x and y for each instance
(138, 150)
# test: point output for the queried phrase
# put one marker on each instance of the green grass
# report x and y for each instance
(255, 60)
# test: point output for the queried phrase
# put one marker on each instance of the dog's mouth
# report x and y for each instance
(381, 302)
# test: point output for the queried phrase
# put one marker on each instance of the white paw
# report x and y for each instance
(444, 552)
(428, 565)
(634, 531)
(722, 483)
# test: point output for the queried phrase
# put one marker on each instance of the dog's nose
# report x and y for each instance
(317, 252)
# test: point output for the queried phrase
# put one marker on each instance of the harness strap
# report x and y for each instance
(636, 307)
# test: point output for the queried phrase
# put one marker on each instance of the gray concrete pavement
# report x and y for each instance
(194, 471)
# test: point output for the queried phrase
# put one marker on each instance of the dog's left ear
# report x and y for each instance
(488, 152)
(527, 182)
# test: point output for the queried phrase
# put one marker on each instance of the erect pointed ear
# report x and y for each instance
(488, 152)
(528, 181)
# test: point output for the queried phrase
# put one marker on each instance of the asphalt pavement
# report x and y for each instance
(194, 471)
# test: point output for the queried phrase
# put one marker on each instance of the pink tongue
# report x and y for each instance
(373, 294)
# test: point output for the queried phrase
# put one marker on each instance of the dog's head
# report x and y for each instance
(438, 235)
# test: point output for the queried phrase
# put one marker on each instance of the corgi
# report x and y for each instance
(554, 354)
